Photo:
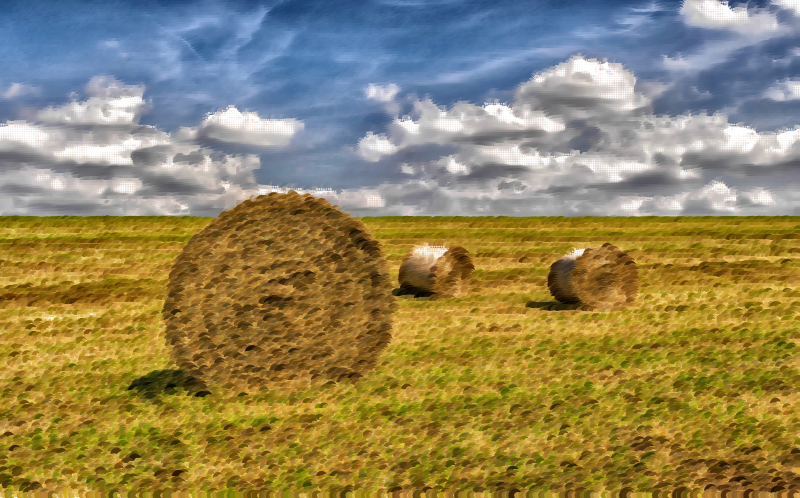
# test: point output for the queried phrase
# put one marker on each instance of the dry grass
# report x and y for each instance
(692, 386)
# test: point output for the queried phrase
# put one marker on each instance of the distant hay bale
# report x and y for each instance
(559, 281)
(444, 272)
(599, 277)
(277, 291)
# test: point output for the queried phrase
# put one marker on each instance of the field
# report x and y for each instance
(693, 387)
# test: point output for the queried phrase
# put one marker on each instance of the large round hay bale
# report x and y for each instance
(444, 272)
(277, 291)
(599, 277)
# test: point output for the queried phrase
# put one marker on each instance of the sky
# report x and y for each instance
(401, 107)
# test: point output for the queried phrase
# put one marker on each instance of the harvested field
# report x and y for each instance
(691, 387)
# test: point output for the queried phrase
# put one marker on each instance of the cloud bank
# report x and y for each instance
(580, 137)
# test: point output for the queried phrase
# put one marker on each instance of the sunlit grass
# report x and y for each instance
(694, 384)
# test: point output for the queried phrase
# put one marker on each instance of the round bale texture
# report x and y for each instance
(445, 272)
(278, 291)
(599, 277)
(559, 280)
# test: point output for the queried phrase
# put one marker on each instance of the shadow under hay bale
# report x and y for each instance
(429, 270)
(167, 382)
(280, 291)
(602, 277)
(556, 306)
(410, 291)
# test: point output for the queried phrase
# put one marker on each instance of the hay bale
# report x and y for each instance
(444, 272)
(279, 290)
(559, 280)
(598, 277)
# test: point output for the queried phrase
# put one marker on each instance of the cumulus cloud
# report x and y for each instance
(231, 125)
(784, 90)
(111, 103)
(372, 147)
(93, 158)
(407, 169)
(385, 94)
(718, 15)
(381, 93)
(464, 122)
(578, 139)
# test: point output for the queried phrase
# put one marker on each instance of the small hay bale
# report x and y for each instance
(277, 291)
(598, 277)
(444, 272)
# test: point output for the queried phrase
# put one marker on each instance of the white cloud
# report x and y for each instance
(20, 90)
(751, 27)
(720, 196)
(784, 90)
(381, 93)
(578, 139)
(760, 196)
(52, 168)
(111, 102)
(697, 93)
(718, 15)
(248, 128)
(126, 186)
(793, 5)
(360, 198)
(715, 53)
(453, 166)
(373, 147)
(568, 88)
(461, 121)
(385, 94)
(520, 158)
(715, 195)
(653, 89)
(653, 7)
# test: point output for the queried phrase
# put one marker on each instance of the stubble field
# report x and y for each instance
(693, 387)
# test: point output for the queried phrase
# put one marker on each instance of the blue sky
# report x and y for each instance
(402, 107)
